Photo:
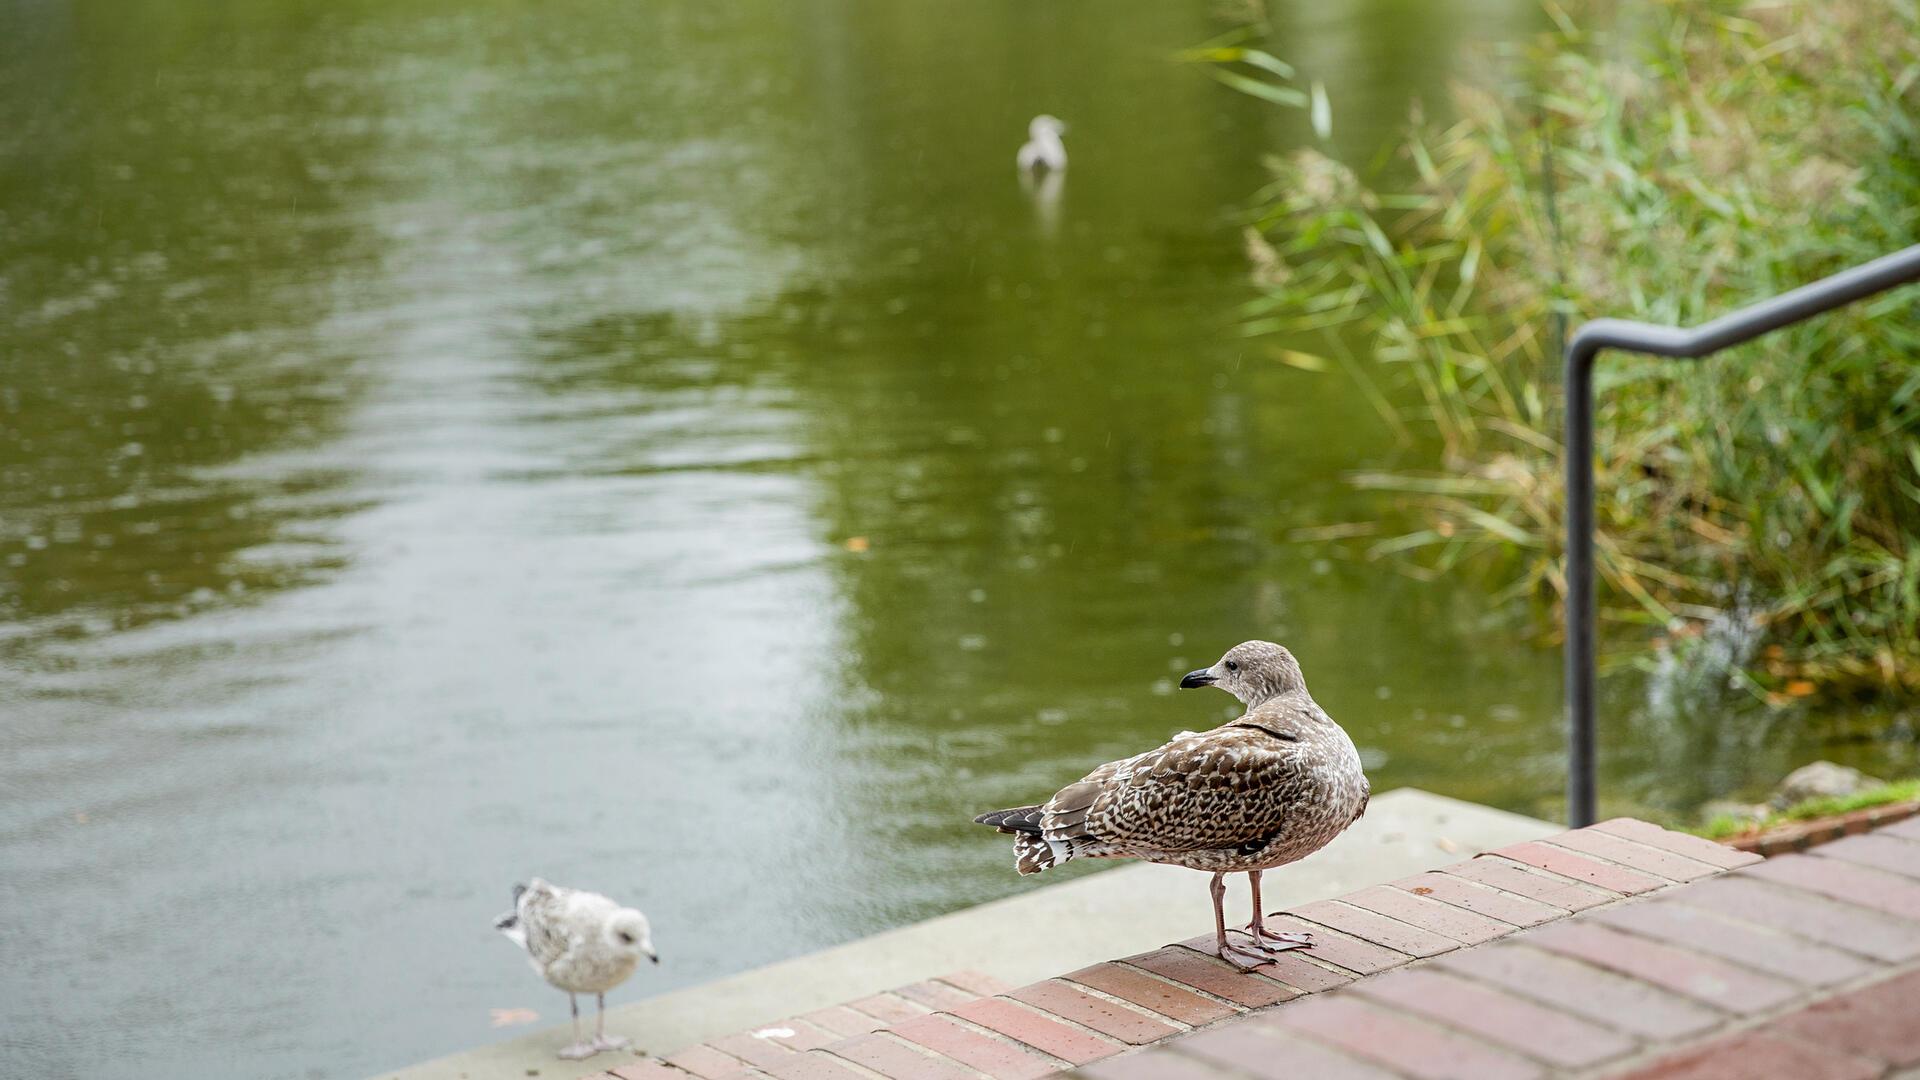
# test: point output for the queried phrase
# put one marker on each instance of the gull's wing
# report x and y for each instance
(1223, 788)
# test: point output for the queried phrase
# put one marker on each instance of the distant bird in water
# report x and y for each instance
(1043, 152)
(582, 943)
(1265, 790)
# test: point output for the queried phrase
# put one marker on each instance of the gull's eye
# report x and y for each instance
(626, 938)
(1233, 665)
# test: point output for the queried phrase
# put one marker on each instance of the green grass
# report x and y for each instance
(1899, 792)
(1700, 157)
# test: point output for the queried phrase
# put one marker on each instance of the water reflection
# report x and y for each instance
(435, 436)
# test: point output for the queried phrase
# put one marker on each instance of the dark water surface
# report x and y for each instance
(656, 446)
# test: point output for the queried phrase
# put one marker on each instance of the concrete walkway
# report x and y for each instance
(1017, 940)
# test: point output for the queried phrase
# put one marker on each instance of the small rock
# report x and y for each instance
(1821, 780)
(1746, 813)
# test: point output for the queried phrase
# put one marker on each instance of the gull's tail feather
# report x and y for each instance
(1020, 819)
(1032, 852)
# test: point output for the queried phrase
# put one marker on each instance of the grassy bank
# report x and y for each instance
(1694, 158)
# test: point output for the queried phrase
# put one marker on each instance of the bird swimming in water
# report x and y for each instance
(1043, 150)
(581, 942)
(1267, 789)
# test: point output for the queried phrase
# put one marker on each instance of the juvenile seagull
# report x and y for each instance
(582, 943)
(1043, 151)
(1270, 788)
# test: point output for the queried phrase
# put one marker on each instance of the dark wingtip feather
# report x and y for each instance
(1020, 819)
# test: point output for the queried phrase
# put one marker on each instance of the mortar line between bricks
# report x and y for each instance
(1059, 1064)
(1428, 898)
(1742, 1025)
(1331, 1047)
(1801, 893)
(1238, 1008)
(1561, 879)
(1067, 1020)
(1708, 869)
(1791, 935)
(1482, 1038)
(1707, 1006)
(1336, 933)
(850, 1064)
(1618, 865)
(1096, 992)
(1730, 961)
(1457, 943)
(1495, 889)
(1302, 954)
(909, 1044)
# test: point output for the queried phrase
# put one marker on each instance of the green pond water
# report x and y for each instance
(664, 448)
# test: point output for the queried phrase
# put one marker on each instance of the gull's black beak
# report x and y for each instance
(1191, 679)
(655, 957)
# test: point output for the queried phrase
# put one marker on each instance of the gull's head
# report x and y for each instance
(628, 932)
(1253, 671)
(1044, 125)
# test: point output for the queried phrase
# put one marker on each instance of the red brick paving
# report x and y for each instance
(892, 1057)
(1266, 1054)
(1481, 899)
(996, 1057)
(1620, 951)
(1500, 1018)
(1109, 1018)
(1633, 855)
(1212, 976)
(1386, 1037)
(1846, 881)
(1458, 924)
(1409, 938)
(1520, 880)
(1703, 978)
(1754, 1055)
(1889, 853)
(1679, 843)
(1731, 939)
(1584, 991)
(1037, 1029)
(1571, 864)
(1881, 1021)
(1176, 1003)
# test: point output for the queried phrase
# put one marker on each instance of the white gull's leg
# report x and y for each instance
(601, 1040)
(580, 1048)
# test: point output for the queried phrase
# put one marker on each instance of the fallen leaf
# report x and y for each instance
(1422, 890)
(1446, 845)
(509, 1017)
(1800, 688)
(857, 544)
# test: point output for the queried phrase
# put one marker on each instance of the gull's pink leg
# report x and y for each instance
(1273, 943)
(1232, 954)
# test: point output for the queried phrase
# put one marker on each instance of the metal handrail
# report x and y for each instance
(1682, 343)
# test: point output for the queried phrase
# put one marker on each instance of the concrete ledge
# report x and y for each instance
(1020, 939)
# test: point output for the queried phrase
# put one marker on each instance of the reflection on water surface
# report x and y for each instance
(661, 448)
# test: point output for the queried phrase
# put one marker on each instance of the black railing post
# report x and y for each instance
(1744, 325)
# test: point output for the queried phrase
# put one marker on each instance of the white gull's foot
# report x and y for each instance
(611, 1042)
(579, 1051)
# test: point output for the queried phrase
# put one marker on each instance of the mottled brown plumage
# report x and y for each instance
(1269, 788)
